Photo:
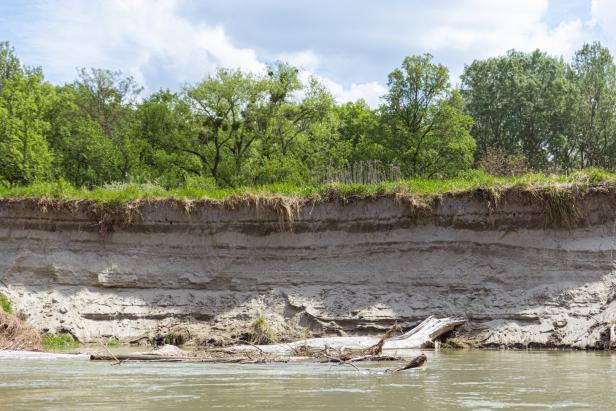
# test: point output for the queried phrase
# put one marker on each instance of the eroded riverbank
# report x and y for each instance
(523, 268)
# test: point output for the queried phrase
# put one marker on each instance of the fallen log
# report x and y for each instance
(421, 336)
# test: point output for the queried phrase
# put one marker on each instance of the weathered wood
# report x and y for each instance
(421, 336)
(414, 363)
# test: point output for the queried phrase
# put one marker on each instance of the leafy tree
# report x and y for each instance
(358, 125)
(24, 154)
(593, 140)
(220, 106)
(299, 129)
(83, 154)
(425, 129)
(10, 66)
(164, 126)
(521, 103)
(108, 99)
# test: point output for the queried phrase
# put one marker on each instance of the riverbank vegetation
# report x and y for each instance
(59, 342)
(17, 334)
(514, 118)
(124, 193)
(5, 304)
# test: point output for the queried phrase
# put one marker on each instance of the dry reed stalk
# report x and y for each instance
(16, 334)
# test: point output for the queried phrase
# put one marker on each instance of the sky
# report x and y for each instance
(350, 45)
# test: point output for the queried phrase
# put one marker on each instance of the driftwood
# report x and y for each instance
(414, 363)
(335, 350)
(421, 336)
(169, 353)
(349, 356)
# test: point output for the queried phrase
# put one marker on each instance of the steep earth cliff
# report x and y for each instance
(525, 269)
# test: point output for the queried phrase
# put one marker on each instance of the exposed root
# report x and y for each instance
(561, 205)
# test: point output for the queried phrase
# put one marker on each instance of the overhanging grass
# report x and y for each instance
(122, 193)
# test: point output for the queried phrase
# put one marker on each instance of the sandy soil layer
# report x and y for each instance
(206, 273)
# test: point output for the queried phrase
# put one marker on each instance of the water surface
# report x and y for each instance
(477, 380)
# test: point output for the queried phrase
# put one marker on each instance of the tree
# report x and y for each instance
(108, 99)
(24, 154)
(358, 125)
(220, 106)
(521, 103)
(425, 129)
(10, 66)
(164, 127)
(299, 119)
(83, 154)
(593, 140)
(245, 124)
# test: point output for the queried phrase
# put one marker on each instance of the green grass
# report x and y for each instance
(262, 332)
(112, 343)
(5, 304)
(59, 342)
(122, 193)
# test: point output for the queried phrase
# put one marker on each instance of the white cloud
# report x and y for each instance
(370, 92)
(156, 43)
(132, 36)
(488, 27)
(306, 60)
(150, 40)
(603, 15)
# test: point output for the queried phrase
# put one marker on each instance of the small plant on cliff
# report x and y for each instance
(59, 342)
(112, 342)
(262, 332)
(5, 304)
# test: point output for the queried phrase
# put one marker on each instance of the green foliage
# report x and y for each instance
(174, 339)
(112, 343)
(10, 66)
(24, 153)
(262, 332)
(425, 129)
(59, 342)
(521, 104)
(592, 141)
(236, 133)
(5, 304)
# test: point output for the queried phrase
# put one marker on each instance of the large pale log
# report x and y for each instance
(421, 336)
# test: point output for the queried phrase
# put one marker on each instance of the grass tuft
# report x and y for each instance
(59, 342)
(5, 304)
(112, 343)
(262, 332)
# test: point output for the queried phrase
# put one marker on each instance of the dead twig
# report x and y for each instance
(118, 362)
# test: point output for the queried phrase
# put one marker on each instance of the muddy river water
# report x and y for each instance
(451, 380)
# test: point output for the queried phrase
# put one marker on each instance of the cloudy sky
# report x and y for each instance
(350, 45)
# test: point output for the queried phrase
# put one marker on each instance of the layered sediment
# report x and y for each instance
(523, 269)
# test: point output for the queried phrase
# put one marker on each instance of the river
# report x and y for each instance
(477, 380)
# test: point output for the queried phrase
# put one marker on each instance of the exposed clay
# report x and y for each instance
(206, 272)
